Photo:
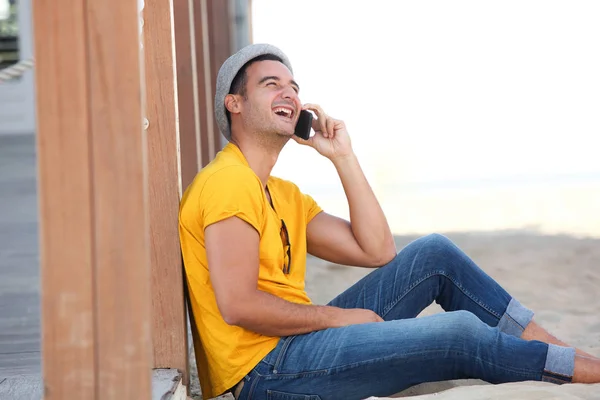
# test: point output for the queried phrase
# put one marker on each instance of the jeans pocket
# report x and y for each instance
(274, 395)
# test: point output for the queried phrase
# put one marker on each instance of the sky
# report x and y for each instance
(445, 91)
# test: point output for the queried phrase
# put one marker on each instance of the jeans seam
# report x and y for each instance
(414, 285)
(304, 374)
(555, 373)
(334, 369)
(510, 319)
(394, 302)
(548, 377)
(340, 368)
(253, 384)
(391, 305)
(281, 354)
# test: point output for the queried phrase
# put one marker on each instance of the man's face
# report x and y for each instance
(272, 104)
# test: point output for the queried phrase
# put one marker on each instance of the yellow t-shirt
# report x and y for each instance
(229, 187)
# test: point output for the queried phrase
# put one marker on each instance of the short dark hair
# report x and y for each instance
(238, 85)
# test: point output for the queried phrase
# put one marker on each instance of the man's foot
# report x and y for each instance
(535, 332)
(587, 370)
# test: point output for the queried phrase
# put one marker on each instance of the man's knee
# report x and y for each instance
(462, 326)
(432, 245)
(437, 241)
(431, 241)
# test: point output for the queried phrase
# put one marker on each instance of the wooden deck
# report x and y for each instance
(20, 359)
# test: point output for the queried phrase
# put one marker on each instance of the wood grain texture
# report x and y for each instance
(168, 307)
(63, 103)
(187, 91)
(220, 45)
(205, 93)
(121, 242)
(213, 46)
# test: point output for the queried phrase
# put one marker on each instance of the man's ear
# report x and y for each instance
(232, 103)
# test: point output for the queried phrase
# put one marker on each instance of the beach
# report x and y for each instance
(557, 276)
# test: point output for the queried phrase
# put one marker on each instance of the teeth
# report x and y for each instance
(285, 110)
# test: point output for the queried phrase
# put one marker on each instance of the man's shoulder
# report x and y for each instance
(228, 174)
(283, 184)
(220, 178)
(226, 165)
(223, 171)
(284, 188)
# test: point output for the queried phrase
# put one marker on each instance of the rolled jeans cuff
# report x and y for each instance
(515, 319)
(560, 364)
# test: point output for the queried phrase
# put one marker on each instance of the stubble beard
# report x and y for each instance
(266, 131)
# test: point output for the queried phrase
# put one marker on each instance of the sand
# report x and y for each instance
(556, 276)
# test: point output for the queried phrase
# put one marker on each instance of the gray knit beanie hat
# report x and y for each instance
(229, 70)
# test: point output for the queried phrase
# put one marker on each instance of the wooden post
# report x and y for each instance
(169, 333)
(205, 99)
(64, 169)
(187, 90)
(92, 180)
(211, 26)
(213, 46)
(220, 26)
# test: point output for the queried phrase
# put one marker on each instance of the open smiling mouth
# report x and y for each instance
(284, 112)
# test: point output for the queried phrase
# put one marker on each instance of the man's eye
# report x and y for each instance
(271, 84)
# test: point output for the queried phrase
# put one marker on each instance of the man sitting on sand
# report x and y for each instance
(245, 235)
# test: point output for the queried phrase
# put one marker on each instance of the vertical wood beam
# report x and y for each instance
(205, 96)
(212, 27)
(65, 208)
(220, 26)
(213, 46)
(93, 214)
(169, 334)
(121, 252)
(187, 89)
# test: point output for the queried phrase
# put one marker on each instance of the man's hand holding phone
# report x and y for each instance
(331, 138)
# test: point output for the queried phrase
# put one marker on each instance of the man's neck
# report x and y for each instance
(261, 156)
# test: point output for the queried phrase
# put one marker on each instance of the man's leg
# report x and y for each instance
(433, 268)
(381, 359)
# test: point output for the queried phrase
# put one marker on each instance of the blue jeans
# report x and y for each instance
(478, 336)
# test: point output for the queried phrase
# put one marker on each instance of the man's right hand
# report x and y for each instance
(353, 316)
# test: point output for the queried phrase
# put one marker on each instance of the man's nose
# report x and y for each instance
(289, 93)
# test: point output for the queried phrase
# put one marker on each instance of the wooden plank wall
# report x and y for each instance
(93, 210)
(213, 44)
(182, 137)
(201, 33)
(112, 278)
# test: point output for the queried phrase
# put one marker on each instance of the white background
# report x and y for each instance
(448, 94)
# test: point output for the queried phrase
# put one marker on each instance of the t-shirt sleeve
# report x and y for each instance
(233, 191)
(311, 207)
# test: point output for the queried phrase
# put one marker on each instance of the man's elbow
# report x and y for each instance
(231, 311)
(384, 256)
(231, 317)
(390, 255)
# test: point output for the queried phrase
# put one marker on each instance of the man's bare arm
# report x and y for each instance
(232, 248)
(368, 222)
(365, 241)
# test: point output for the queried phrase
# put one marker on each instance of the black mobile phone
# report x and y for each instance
(304, 125)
